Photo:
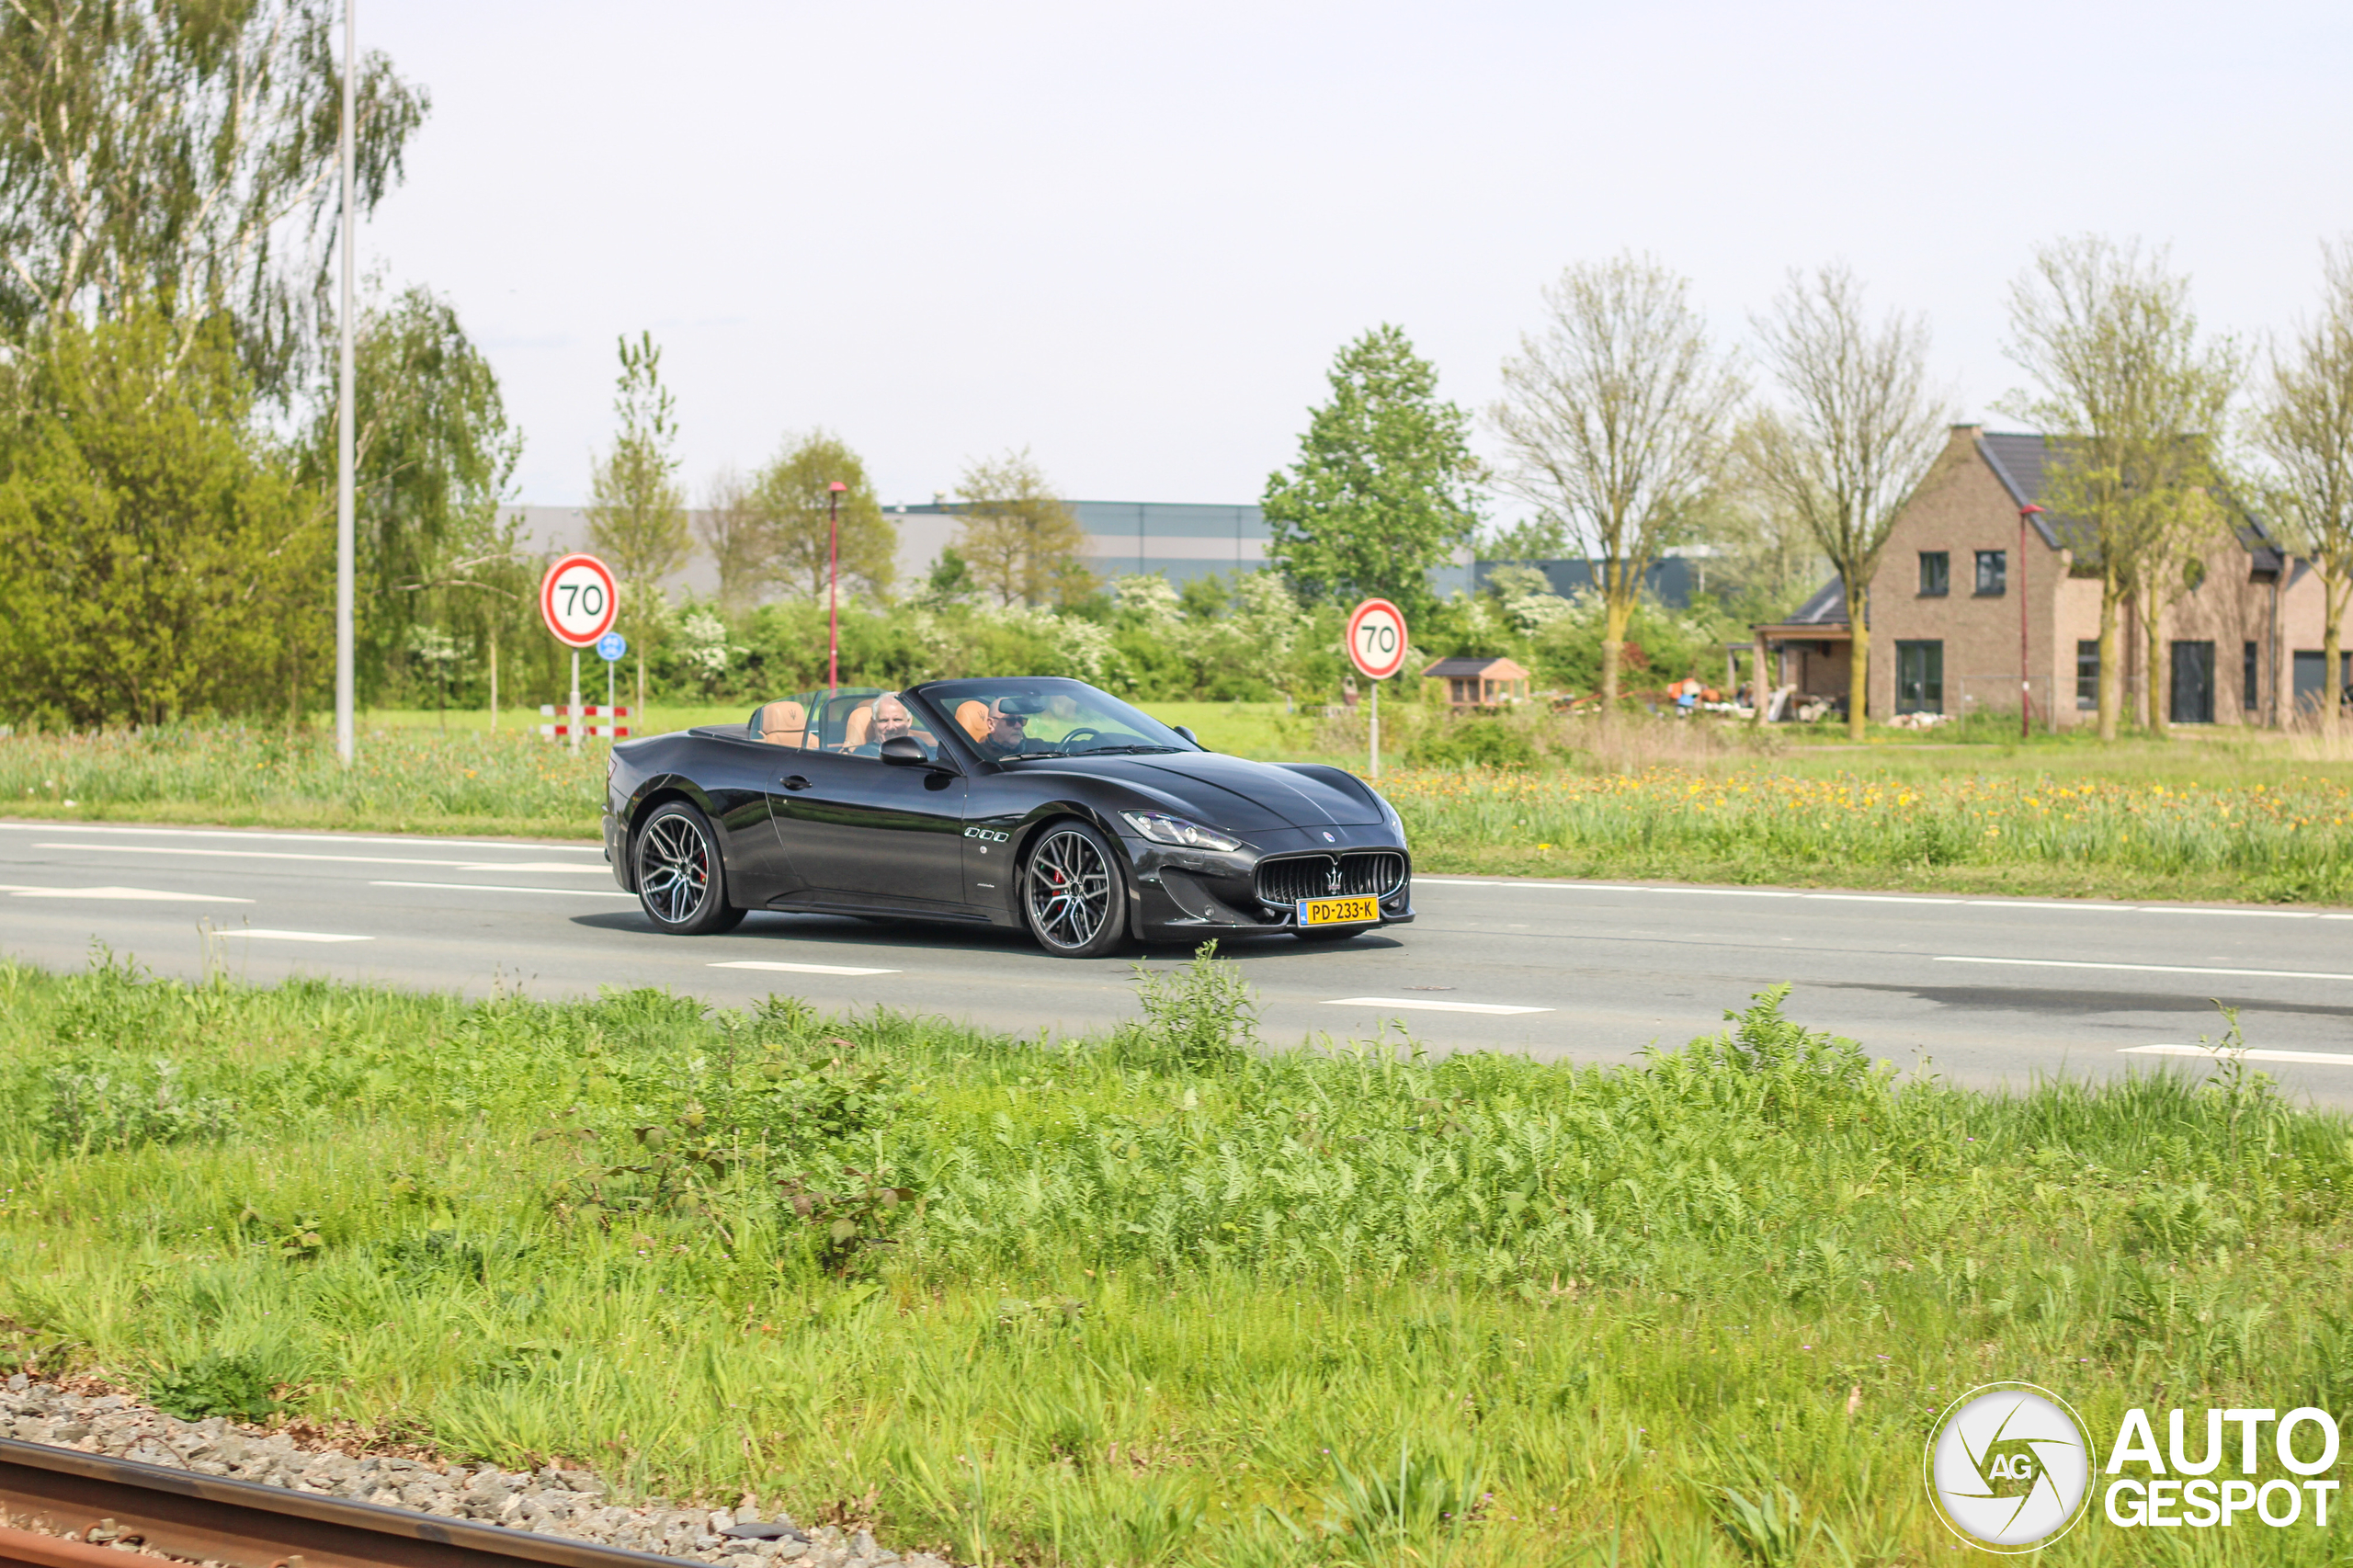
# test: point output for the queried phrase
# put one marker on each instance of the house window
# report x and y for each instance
(1992, 572)
(1919, 677)
(1936, 573)
(2250, 676)
(2087, 673)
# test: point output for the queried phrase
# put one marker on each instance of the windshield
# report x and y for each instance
(1043, 716)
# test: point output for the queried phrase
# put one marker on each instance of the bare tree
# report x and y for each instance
(1612, 421)
(1023, 545)
(733, 532)
(2304, 425)
(2137, 400)
(638, 517)
(177, 154)
(1861, 429)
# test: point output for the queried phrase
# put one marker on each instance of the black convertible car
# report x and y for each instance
(1038, 804)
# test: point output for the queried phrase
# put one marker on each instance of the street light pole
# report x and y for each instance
(344, 417)
(833, 585)
(2026, 681)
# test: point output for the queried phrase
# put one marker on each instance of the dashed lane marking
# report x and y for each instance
(258, 935)
(149, 893)
(801, 967)
(489, 887)
(1423, 1004)
(2151, 968)
(2084, 906)
(2215, 1053)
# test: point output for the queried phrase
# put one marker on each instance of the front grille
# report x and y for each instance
(1378, 873)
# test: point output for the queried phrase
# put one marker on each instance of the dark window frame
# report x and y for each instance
(2086, 673)
(2251, 676)
(1998, 561)
(1920, 675)
(1936, 573)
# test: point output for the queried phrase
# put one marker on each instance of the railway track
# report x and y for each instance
(243, 1524)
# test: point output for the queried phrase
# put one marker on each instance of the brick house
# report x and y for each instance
(1945, 610)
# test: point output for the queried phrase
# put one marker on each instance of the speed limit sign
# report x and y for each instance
(1377, 639)
(577, 601)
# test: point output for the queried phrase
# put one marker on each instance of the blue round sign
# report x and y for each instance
(611, 647)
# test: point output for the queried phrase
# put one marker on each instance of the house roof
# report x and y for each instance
(2025, 465)
(1500, 669)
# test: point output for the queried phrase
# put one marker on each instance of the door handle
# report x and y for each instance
(794, 781)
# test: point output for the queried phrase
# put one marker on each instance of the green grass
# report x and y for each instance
(2220, 816)
(1155, 1298)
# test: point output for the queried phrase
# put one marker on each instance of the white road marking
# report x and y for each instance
(2153, 968)
(2215, 1053)
(121, 894)
(488, 887)
(251, 836)
(1422, 1004)
(801, 967)
(566, 866)
(2259, 913)
(258, 935)
(2086, 906)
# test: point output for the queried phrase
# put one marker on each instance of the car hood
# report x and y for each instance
(1237, 793)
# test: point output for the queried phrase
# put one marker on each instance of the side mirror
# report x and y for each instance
(907, 751)
(1187, 732)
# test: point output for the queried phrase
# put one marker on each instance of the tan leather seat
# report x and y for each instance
(859, 727)
(972, 718)
(784, 724)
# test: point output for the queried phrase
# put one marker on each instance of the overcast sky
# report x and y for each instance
(1131, 238)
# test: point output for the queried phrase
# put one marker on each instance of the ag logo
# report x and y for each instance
(2009, 1467)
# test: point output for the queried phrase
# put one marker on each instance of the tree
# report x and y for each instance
(433, 457)
(1859, 432)
(174, 157)
(1613, 416)
(1020, 544)
(793, 496)
(733, 534)
(1384, 486)
(2136, 400)
(1530, 539)
(638, 520)
(158, 556)
(2304, 425)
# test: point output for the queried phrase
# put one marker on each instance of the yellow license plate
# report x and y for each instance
(1338, 911)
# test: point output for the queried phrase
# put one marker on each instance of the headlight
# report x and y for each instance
(1162, 829)
(1389, 814)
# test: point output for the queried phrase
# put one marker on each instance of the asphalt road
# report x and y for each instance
(1988, 990)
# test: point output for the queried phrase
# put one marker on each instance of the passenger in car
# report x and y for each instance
(886, 718)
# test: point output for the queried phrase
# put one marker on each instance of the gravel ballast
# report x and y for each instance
(571, 1502)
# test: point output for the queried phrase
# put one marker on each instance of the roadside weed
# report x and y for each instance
(1158, 1296)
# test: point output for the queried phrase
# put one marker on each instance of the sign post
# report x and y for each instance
(1377, 648)
(609, 648)
(578, 602)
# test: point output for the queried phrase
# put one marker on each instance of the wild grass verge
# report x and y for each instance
(1161, 1297)
(1626, 808)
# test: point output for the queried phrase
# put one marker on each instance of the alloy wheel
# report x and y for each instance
(1069, 890)
(674, 869)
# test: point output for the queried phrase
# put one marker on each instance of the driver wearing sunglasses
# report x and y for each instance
(1007, 731)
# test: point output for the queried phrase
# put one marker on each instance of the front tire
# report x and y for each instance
(681, 883)
(1071, 893)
